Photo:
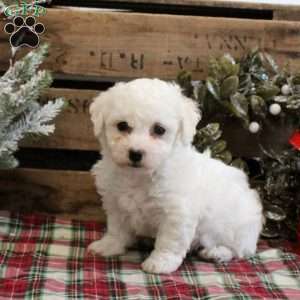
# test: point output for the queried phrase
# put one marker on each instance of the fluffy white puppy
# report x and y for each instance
(154, 183)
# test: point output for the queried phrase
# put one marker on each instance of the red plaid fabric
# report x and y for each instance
(44, 257)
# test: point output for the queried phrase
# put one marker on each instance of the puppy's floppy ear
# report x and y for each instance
(189, 120)
(97, 114)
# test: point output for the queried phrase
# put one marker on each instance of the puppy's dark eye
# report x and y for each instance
(123, 126)
(158, 130)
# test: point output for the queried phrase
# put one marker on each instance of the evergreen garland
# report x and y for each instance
(257, 92)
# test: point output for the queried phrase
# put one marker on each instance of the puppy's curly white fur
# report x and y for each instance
(154, 183)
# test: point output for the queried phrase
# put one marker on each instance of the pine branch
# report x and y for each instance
(25, 68)
(20, 112)
(38, 119)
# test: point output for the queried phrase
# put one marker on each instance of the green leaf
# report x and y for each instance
(239, 106)
(218, 147)
(228, 66)
(293, 102)
(213, 87)
(272, 63)
(296, 88)
(267, 91)
(258, 105)
(279, 79)
(229, 86)
(207, 136)
(225, 156)
(211, 129)
(256, 58)
(245, 83)
(202, 91)
(214, 68)
(275, 213)
(184, 79)
(295, 79)
(240, 164)
(280, 99)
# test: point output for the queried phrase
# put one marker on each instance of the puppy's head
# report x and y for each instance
(140, 122)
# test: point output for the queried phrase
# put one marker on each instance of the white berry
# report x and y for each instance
(254, 127)
(285, 89)
(275, 109)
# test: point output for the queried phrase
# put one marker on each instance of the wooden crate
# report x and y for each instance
(92, 48)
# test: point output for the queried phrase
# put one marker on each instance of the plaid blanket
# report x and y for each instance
(44, 257)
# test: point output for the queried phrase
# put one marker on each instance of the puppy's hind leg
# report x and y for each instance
(216, 253)
(214, 249)
(247, 237)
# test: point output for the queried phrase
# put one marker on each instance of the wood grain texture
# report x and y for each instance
(287, 14)
(73, 127)
(50, 191)
(251, 4)
(130, 45)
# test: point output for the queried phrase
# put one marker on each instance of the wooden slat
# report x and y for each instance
(118, 45)
(282, 9)
(73, 126)
(50, 191)
(287, 14)
(250, 4)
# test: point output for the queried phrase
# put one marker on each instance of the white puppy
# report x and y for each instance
(154, 183)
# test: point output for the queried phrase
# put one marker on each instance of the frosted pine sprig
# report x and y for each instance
(20, 112)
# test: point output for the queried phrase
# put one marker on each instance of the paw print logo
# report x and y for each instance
(24, 32)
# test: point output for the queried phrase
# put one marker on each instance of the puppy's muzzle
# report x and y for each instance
(135, 156)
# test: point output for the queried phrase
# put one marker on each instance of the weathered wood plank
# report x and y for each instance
(73, 126)
(287, 14)
(130, 45)
(282, 9)
(50, 191)
(251, 4)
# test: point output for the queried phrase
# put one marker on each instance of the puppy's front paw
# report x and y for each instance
(161, 263)
(107, 246)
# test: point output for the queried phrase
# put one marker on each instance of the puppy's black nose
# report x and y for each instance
(135, 156)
